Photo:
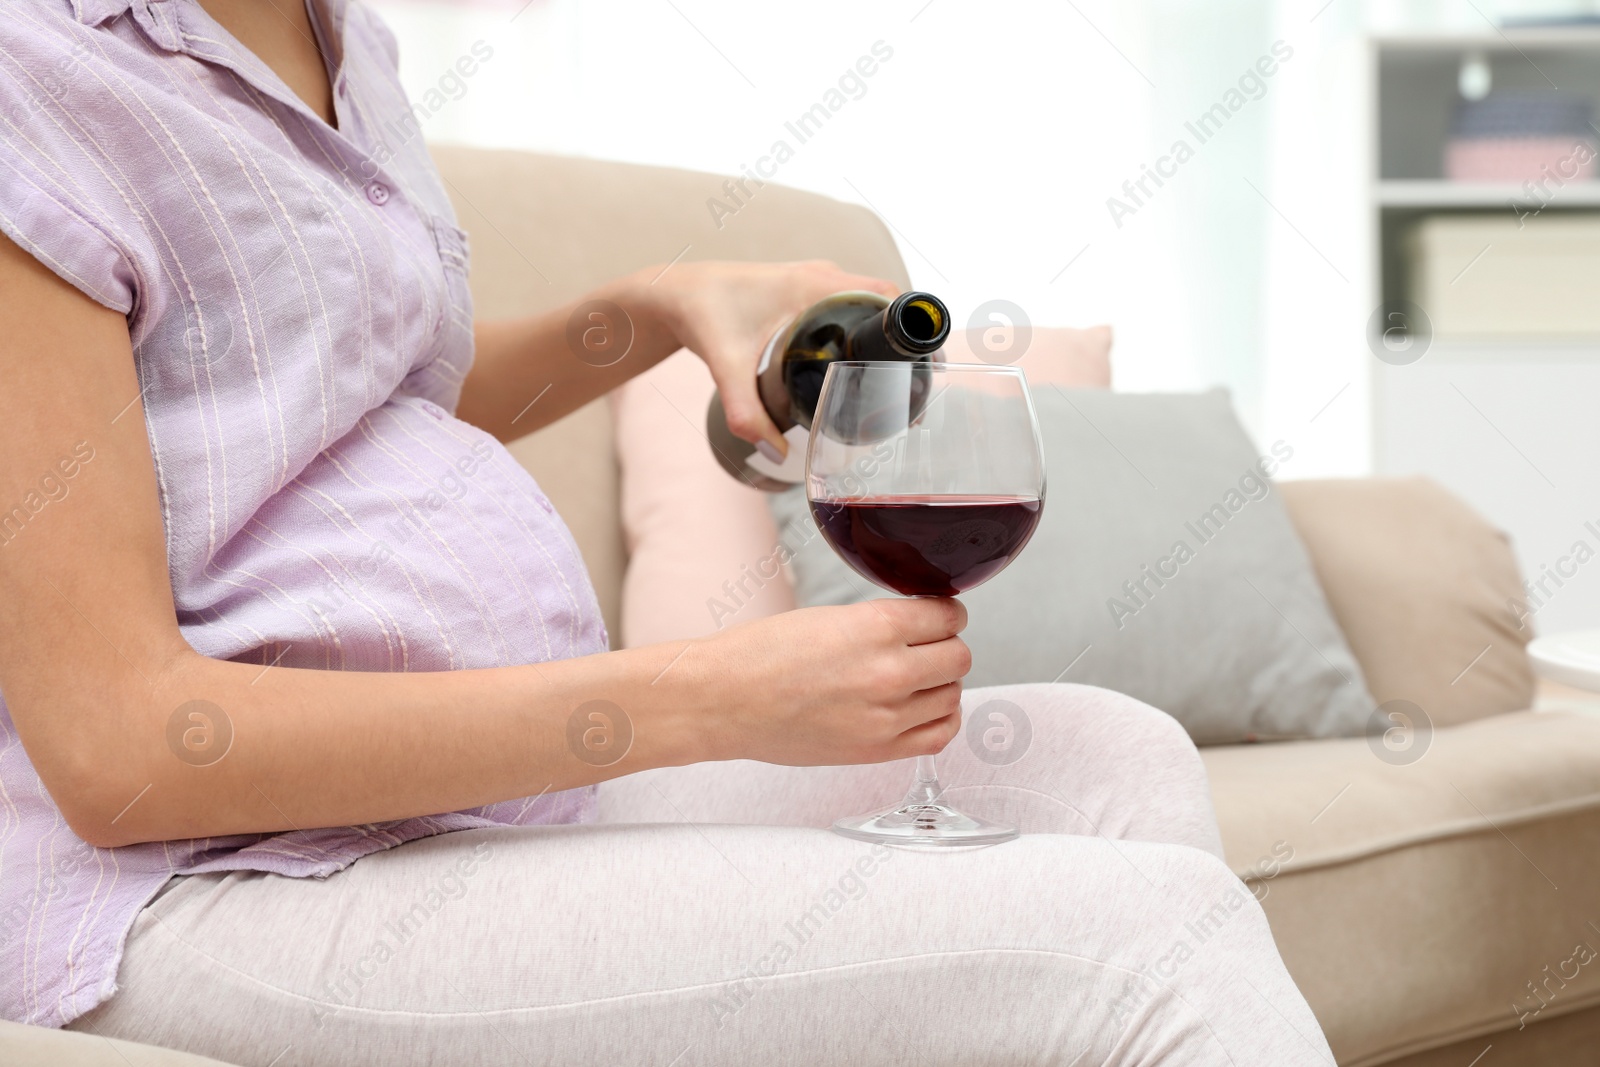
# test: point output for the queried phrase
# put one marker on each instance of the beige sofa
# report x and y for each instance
(1413, 912)
(1422, 901)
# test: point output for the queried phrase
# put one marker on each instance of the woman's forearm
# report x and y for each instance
(529, 372)
(309, 748)
(214, 748)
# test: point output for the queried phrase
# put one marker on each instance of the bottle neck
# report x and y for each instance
(855, 325)
(913, 327)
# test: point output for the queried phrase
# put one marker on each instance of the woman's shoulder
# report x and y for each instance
(57, 100)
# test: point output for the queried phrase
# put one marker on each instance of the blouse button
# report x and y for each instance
(378, 193)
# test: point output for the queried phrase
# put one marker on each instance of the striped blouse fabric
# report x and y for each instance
(296, 295)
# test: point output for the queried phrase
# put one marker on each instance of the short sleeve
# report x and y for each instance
(57, 200)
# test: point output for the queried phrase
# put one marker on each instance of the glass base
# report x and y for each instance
(924, 823)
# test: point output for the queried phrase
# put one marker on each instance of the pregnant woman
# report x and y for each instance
(289, 646)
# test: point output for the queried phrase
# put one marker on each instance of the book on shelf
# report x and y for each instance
(1518, 135)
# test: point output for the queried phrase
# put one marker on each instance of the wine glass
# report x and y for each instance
(927, 479)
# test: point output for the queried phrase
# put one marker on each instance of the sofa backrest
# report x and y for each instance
(546, 229)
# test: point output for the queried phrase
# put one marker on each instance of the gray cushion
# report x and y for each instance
(1164, 567)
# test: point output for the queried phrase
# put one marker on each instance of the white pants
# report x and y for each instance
(709, 920)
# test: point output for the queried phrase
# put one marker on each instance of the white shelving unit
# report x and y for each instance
(1512, 425)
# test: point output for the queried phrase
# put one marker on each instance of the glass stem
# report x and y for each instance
(926, 789)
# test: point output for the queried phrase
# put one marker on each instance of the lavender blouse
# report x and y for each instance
(297, 299)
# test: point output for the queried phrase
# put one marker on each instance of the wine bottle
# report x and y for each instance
(845, 326)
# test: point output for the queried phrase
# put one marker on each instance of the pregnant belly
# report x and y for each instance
(416, 542)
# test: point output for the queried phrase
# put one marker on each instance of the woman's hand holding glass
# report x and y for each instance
(828, 686)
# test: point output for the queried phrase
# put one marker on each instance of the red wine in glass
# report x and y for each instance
(927, 479)
(921, 545)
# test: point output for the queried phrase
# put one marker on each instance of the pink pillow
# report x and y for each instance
(703, 549)
(1077, 358)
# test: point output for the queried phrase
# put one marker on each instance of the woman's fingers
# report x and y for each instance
(928, 705)
(822, 277)
(939, 662)
(725, 312)
(872, 285)
(931, 737)
(735, 375)
(923, 620)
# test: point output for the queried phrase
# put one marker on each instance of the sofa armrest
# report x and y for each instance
(1427, 592)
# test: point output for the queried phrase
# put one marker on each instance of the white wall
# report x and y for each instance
(991, 142)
